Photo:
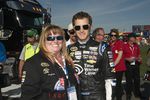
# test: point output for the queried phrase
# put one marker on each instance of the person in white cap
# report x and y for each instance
(72, 35)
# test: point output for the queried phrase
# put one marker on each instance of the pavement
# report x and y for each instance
(13, 92)
(144, 88)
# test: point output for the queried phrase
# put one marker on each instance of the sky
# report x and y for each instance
(120, 14)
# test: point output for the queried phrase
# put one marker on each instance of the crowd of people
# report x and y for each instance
(81, 68)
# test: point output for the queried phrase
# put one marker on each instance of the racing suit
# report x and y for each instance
(90, 66)
(110, 73)
(44, 80)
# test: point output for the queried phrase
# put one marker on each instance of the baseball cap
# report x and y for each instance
(32, 32)
(132, 35)
(70, 27)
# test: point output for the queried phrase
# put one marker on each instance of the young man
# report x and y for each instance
(89, 64)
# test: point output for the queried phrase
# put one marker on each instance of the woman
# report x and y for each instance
(118, 57)
(49, 75)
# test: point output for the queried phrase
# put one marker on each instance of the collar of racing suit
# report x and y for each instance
(84, 42)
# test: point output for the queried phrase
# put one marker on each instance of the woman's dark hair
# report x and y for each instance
(114, 30)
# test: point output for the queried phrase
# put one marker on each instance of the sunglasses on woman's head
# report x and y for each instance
(52, 38)
(78, 27)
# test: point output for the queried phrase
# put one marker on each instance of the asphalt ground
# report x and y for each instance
(144, 88)
(145, 92)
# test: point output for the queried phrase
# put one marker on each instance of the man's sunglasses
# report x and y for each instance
(71, 32)
(99, 35)
(85, 27)
(52, 38)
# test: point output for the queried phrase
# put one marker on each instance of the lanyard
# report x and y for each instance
(63, 68)
(132, 49)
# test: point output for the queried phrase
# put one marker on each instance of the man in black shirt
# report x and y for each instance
(89, 64)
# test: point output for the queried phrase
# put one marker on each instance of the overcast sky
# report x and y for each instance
(121, 14)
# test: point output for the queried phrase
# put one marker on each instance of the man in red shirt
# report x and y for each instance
(132, 61)
(118, 57)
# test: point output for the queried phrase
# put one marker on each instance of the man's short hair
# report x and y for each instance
(81, 15)
(96, 32)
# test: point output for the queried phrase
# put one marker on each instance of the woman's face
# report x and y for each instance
(54, 43)
(113, 36)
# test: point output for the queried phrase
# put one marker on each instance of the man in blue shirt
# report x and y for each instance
(2, 53)
(2, 60)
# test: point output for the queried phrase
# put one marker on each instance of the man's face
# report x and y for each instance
(31, 39)
(132, 39)
(72, 35)
(99, 36)
(82, 28)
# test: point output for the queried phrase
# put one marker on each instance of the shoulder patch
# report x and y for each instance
(44, 64)
(73, 48)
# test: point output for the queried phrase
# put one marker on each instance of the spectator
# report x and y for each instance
(148, 58)
(72, 35)
(118, 57)
(2, 60)
(89, 64)
(2, 53)
(132, 61)
(49, 75)
(98, 35)
(29, 49)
